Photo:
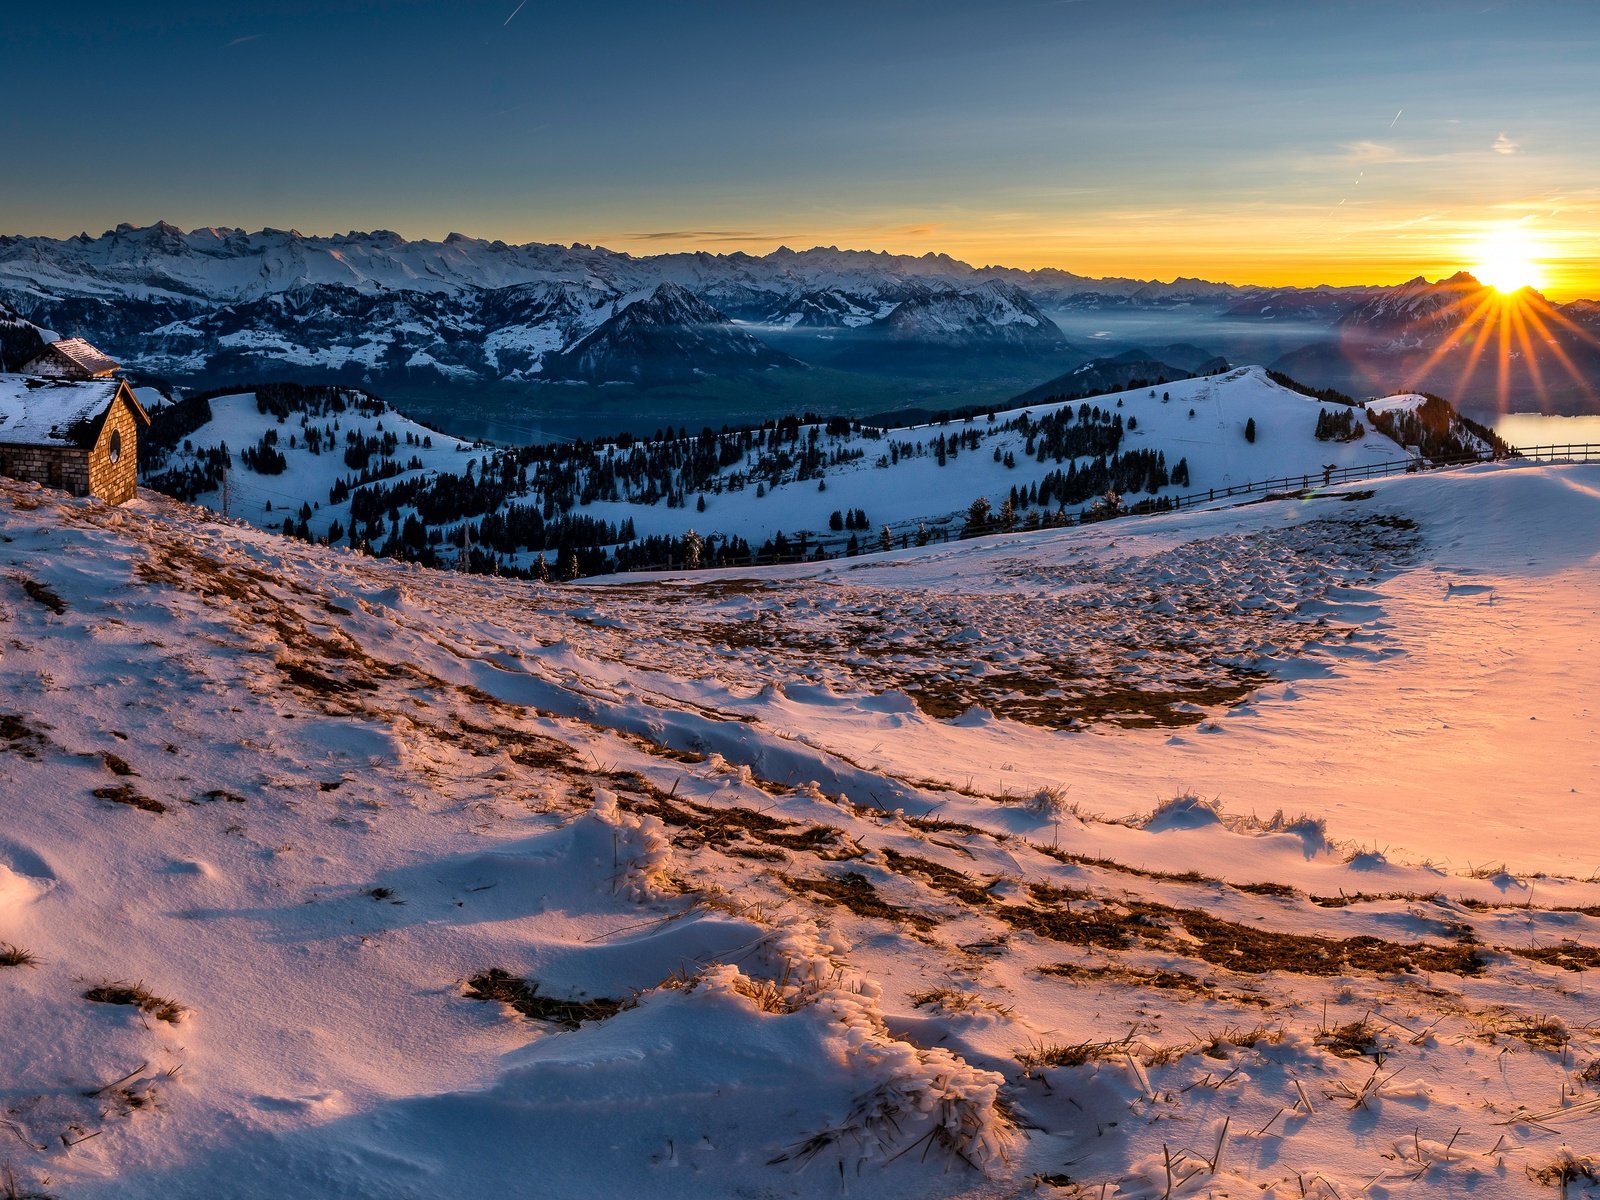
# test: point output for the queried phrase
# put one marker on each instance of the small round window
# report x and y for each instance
(116, 445)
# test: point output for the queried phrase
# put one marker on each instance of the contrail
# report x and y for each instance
(1391, 123)
(514, 12)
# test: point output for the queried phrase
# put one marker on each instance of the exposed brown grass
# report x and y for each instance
(1542, 1033)
(41, 594)
(1357, 1039)
(1569, 956)
(22, 738)
(951, 1001)
(523, 996)
(1158, 979)
(16, 956)
(116, 764)
(1245, 949)
(856, 893)
(137, 996)
(1074, 1054)
(124, 793)
(946, 879)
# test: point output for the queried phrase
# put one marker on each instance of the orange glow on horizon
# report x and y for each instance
(1300, 249)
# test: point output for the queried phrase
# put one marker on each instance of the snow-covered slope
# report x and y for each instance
(669, 335)
(1183, 438)
(807, 858)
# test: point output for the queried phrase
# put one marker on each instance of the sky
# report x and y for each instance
(1279, 143)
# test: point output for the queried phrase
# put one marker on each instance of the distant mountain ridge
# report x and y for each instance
(376, 310)
(222, 264)
(671, 335)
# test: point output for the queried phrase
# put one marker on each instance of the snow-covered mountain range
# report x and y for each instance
(232, 265)
(462, 315)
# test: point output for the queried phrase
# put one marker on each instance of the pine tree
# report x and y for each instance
(885, 539)
(1250, 430)
(977, 517)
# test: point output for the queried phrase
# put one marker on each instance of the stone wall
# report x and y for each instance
(54, 466)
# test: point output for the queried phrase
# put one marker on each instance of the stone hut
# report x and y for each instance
(81, 435)
(70, 358)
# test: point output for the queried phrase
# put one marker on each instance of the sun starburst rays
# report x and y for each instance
(1519, 324)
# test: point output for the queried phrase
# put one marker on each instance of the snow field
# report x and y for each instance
(308, 796)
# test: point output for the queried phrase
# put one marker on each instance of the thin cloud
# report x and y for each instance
(702, 235)
(1504, 145)
(239, 41)
(1371, 152)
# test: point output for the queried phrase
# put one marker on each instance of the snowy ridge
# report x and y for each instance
(762, 485)
(425, 883)
(231, 264)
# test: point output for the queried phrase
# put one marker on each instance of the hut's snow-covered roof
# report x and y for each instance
(52, 412)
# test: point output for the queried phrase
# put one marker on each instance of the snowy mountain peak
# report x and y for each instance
(669, 335)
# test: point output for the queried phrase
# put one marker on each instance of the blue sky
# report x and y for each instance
(1242, 140)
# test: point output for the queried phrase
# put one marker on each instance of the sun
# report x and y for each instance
(1507, 259)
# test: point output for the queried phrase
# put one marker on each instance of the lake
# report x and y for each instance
(1541, 429)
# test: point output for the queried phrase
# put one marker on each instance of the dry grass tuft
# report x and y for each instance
(1358, 1039)
(41, 594)
(136, 995)
(116, 764)
(124, 793)
(1542, 1033)
(502, 986)
(1217, 1044)
(16, 956)
(1075, 1054)
(22, 738)
(1567, 1169)
(949, 1001)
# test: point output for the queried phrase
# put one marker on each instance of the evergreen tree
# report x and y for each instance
(1250, 430)
(977, 517)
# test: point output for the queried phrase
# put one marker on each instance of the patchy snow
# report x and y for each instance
(1300, 902)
